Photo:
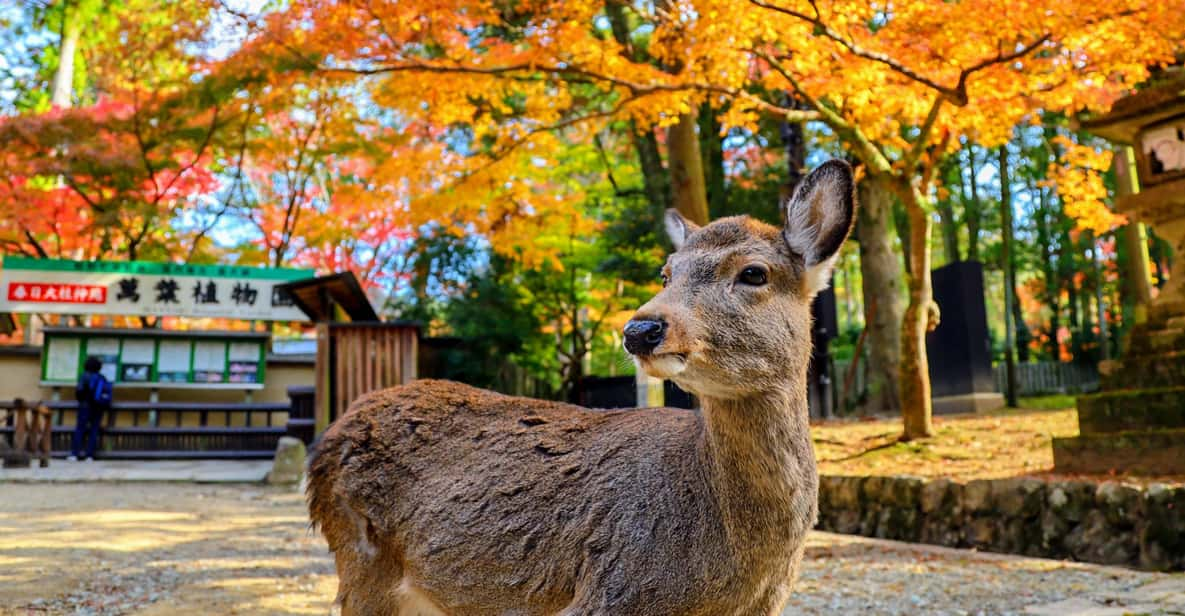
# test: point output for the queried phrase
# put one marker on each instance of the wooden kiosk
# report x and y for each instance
(356, 352)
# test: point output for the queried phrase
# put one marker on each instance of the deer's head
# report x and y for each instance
(733, 318)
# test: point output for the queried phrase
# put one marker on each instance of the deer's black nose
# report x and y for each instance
(643, 335)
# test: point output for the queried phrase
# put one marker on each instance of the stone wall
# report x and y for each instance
(1107, 523)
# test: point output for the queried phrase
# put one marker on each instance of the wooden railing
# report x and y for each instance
(1050, 378)
(177, 430)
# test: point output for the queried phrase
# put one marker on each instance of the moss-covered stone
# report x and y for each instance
(1153, 341)
(1153, 452)
(1109, 523)
(1120, 410)
(1019, 498)
(1164, 370)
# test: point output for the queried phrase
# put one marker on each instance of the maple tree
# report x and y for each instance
(105, 177)
(897, 86)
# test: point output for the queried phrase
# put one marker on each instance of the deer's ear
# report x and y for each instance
(678, 228)
(819, 217)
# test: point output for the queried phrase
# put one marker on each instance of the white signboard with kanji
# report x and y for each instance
(147, 289)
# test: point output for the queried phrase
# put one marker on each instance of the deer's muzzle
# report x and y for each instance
(642, 336)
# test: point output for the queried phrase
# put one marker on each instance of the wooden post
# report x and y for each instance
(45, 417)
(321, 383)
(21, 431)
(1138, 274)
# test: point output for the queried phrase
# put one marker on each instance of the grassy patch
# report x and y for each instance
(1049, 403)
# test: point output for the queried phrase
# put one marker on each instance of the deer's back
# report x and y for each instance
(485, 501)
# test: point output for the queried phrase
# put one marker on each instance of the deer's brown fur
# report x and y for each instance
(438, 498)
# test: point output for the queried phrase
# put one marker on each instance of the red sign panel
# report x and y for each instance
(56, 293)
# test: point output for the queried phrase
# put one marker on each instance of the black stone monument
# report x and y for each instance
(819, 397)
(959, 349)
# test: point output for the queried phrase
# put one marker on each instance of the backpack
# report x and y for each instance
(94, 389)
(101, 390)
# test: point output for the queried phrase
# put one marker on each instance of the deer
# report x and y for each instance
(437, 498)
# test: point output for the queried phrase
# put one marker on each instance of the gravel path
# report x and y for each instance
(157, 549)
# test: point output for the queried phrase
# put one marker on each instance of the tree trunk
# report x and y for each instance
(950, 232)
(915, 366)
(881, 273)
(63, 78)
(1100, 306)
(901, 222)
(1009, 286)
(655, 180)
(1086, 337)
(1052, 286)
(794, 142)
(713, 158)
(972, 210)
(688, 192)
(847, 292)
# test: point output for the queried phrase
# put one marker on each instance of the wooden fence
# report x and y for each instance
(1050, 378)
(1033, 379)
(358, 358)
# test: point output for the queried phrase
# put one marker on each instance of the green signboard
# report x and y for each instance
(144, 288)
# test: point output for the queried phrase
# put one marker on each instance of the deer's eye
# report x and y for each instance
(753, 276)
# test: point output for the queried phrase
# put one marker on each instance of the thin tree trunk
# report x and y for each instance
(1100, 306)
(881, 273)
(794, 142)
(63, 78)
(901, 222)
(1067, 269)
(712, 147)
(688, 192)
(1073, 303)
(1086, 317)
(1009, 286)
(973, 208)
(655, 180)
(946, 217)
(847, 293)
(950, 232)
(916, 405)
(1052, 286)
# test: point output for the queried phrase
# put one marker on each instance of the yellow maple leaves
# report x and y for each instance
(1078, 179)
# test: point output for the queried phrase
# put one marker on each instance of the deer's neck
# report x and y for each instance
(760, 461)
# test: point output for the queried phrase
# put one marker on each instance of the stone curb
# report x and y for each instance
(1107, 523)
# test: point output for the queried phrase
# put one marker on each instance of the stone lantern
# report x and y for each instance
(1136, 423)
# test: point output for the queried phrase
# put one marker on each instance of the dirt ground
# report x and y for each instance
(191, 549)
(1004, 443)
(156, 549)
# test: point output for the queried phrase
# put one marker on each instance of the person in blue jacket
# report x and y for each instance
(94, 393)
